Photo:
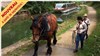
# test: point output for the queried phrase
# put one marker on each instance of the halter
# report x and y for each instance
(41, 32)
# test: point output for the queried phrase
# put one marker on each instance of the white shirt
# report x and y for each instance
(87, 21)
(81, 27)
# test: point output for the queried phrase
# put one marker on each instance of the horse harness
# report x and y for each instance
(43, 28)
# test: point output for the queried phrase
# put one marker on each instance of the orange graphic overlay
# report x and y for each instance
(11, 10)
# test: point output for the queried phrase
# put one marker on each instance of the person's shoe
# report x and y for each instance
(75, 51)
(86, 37)
(81, 48)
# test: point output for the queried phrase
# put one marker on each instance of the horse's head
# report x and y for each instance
(39, 26)
(35, 28)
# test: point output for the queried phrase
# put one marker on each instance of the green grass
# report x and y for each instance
(13, 32)
(92, 45)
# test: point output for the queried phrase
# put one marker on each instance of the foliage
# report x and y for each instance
(39, 7)
(15, 31)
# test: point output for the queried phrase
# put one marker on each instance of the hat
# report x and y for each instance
(85, 14)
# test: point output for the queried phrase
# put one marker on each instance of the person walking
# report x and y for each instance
(87, 22)
(80, 29)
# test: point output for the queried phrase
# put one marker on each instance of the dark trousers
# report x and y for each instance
(86, 34)
(79, 37)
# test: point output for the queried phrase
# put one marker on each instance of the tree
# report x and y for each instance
(39, 7)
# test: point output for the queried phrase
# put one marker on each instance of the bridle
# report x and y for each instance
(40, 34)
(41, 29)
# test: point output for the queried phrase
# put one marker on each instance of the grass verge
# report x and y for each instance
(13, 32)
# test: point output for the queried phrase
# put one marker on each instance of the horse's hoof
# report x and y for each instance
(47, 54)
(35, 55)
(54, 42)
(49, 51)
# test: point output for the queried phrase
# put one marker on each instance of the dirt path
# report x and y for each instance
(64, 46)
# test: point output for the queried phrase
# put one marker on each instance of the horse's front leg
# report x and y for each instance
(49, 50)
(36, 48)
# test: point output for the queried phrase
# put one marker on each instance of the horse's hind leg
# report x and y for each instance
(55, 39)
(49, 50)
(36, 48)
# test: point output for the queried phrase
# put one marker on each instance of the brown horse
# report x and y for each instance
(44, 27)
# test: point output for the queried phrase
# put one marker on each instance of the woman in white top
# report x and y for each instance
(81, 30)
(87, 22)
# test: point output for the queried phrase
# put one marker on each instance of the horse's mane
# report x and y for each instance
(44, 23)
(35, 21)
